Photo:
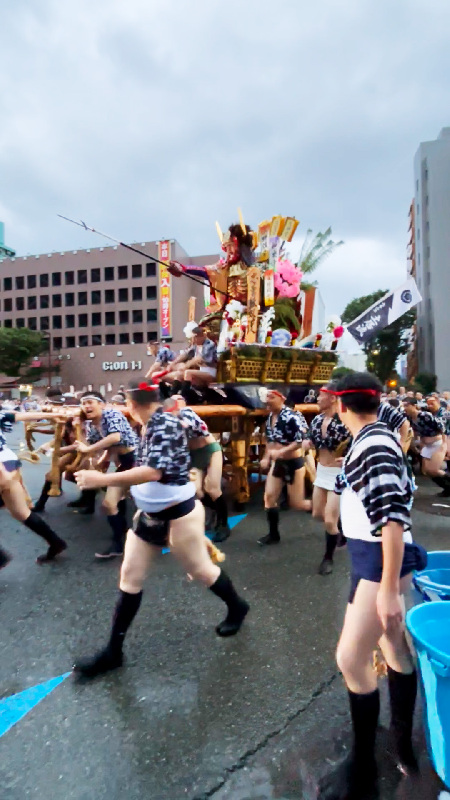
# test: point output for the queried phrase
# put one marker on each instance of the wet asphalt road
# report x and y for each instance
(261, 715)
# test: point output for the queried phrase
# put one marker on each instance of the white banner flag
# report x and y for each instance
(392, 306)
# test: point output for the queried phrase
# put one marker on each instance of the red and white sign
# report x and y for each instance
(165, 291)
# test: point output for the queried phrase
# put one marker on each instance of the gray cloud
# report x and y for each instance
(155, 119)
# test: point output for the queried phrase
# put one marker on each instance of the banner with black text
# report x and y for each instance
(385, 311)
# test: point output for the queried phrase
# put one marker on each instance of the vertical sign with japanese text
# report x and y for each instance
(165, 291)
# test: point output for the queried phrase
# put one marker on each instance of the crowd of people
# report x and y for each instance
(352, 467)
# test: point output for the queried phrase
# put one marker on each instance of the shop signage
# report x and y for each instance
(115, 366)
(165, 291)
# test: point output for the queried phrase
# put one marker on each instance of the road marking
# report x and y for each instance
(232, 522)
(13, 708)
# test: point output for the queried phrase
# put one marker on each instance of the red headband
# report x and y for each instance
(371, 392)
(144, 387)
(274, 391)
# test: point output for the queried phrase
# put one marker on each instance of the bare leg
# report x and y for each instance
(296, 492)
(15, 501)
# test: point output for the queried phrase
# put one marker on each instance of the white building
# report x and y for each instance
(432, 252)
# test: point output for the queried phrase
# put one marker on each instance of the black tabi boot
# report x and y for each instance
(40, 504)
(119, 529)
(185, 390)
(402, 695)
(222, 529)
(238, 608)
(443, 481)
(165, 390)
(5, 558)
(273, 537)
(56, 545)
(86, 503)
(326, 565)
(356, 777)
(111, 657)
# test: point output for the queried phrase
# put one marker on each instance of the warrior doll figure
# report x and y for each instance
(228, 277)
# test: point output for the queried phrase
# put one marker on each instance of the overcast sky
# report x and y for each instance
(154, 118)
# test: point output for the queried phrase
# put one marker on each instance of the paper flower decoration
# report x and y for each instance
(287, 279)
(338, 331)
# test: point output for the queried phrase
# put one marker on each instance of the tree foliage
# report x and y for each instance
(384, 348)
(425, 382)
(17, 347)
(315, 249)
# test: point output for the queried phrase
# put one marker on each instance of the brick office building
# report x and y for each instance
(99, 308)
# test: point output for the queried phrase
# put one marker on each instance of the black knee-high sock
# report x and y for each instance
(124, 614)
(224, 589)
(122, 507)
(402, 695)
(119, 528)
(36, 524)
(185, 387)
(207, 501)
(365, 710)
(221, 508)
(44, 495)
(330, 545)
(273, 516)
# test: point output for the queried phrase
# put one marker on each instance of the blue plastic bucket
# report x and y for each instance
(429, 626)
(433, 583)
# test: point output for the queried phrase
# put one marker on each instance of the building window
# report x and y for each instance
(418, 234)
(82, 320)
(44, 301)
(57, 343)
(43, 281)
(138, 337)
(20, 282)
(152, 315)
(70, 320)
(136, 271)
(20, 322)
(45, 324)
(56, 301)
(96, 318)
(150, 269)
(83, 341)
(82, 298)
(124, 338)
(151, 292)
(427, 225)
(110, 338)
(20, 303)
(7, 323)
(69, 299)
(32, 323)
(96, 275)
(123, 273)
(109, 273)
(417, 185)
(96, 297)
(69, 278)
(137, 293)
(110, 318)
(418, 259)
(137, 316)
(152, 336)
(57, 322)
(428, 251)
(123, 295)
(109, 296)
(427, 200)
(96, 339)
(70, 341)
(8, 304)
(418, 209)
(31, 302)
(7, 284)
(56, 279)
(82, 276)
(123, 317)
(31, 281)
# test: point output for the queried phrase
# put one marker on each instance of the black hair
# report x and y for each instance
(95, 395)
(143, 397)
(394, 402)
(50, 393)
(410, 401)
(359, 401)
